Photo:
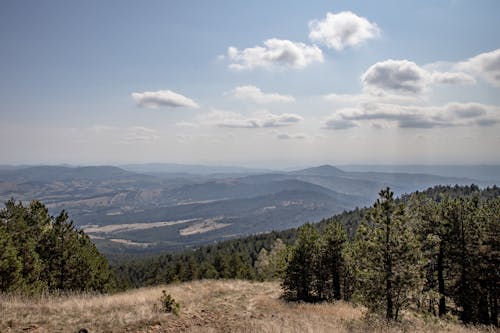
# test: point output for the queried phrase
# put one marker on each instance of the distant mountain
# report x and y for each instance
(485, 173)
(61, 173)
(167, 207)
(193, 169)
(322, 170)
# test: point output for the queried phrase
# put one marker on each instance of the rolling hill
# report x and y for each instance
(165, 209)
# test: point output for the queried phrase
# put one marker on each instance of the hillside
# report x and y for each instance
(168, 210)
(206, 306)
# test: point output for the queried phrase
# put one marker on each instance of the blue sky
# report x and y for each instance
(257, 83)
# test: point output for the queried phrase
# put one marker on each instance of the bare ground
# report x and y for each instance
(206, 306)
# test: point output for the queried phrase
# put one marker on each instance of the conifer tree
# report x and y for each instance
(300, 273)
(490, 253)
(387, 257)
(331, 263)
(10, 264)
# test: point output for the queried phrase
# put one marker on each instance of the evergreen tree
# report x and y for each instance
(38, 252)
(331, 258)
(387, 257)
(435, 235)
(10, 264)
(490, 255)
(299, 276)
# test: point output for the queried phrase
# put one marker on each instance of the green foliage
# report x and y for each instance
(316, 267)
(387, 266)
(10, 264)
(460, 241)
(272, 264)
(168, 304)
(39, 253)
(332, 266)
(300, 277)
(436, 251)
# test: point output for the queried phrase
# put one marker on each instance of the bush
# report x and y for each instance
(168, 303)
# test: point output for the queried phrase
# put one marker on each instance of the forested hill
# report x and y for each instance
(238, 258)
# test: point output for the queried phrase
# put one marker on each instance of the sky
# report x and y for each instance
(250, 83)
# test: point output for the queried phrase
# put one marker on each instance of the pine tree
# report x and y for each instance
(331, 263)
(490, 253)
(299, 275)
(435, 235)
(387, 257)
(10, 264)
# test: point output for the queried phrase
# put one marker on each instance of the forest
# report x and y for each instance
(435, 252)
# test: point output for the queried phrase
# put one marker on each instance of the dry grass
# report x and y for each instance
(206, 306)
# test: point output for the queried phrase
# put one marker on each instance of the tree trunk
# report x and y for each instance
(336, 282)
(440, 269)
(494, 303)
(388, 271)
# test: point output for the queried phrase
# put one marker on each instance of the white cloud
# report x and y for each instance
(396, 75)
(337, 123)
(452, 78)
(186, 124)
(275, 52)
(370, 96)
(486, 65)
(287, 136)
(404, 76)
(256, 95)
(168, 98)
(448, 115)
(343, 29)
(263, 119)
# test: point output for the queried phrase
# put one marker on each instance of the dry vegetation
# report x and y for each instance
(206, 306)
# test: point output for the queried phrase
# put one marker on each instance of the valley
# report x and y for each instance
(150, 209)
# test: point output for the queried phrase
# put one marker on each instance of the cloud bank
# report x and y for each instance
(411, 116)
(263, 119)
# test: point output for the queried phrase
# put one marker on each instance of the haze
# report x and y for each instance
(268, 84)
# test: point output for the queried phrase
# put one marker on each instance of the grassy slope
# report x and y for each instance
(206, 306)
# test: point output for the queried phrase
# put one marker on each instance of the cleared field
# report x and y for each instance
(206, 306)
(116, 228)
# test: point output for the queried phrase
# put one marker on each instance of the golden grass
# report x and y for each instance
(206, 306)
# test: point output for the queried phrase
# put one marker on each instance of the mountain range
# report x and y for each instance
(153, 207)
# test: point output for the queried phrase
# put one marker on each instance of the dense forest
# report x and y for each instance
(436, 252)
(40, 253)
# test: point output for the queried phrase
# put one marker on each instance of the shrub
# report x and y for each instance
(168, 303)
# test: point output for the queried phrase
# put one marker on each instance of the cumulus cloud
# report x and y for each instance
(160, 98)
(256, 95)
(275, 52)
(406, 77)
(340, 30)
(448, 115)
(486, 65)
(452, 78)
(263, 119)
(396, 75)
